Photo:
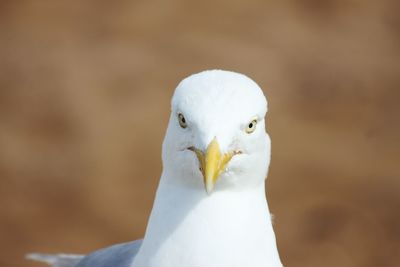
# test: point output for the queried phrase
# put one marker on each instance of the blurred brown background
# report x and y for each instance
(84, 100)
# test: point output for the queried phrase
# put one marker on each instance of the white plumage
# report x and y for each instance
(210, 209)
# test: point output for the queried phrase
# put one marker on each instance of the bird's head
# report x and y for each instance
(216, 136)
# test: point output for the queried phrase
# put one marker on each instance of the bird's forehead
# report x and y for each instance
(219, 95)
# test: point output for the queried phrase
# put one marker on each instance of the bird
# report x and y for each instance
(210, 208)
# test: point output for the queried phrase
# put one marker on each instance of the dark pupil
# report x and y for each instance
(251, 125)
(183, 119)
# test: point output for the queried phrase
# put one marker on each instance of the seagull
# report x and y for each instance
(210, 208)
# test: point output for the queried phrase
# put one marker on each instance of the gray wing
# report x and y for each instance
(56, 260)
(120, 255)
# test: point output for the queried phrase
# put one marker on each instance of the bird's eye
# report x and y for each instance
(182, 120)
(251, 126)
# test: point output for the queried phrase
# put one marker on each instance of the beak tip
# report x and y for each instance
(209, 188)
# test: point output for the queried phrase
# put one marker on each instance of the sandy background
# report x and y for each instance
(84, 101)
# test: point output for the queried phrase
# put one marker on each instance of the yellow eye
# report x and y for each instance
(182, 121)
(251, 126)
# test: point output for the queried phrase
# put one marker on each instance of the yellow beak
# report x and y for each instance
(212, 163)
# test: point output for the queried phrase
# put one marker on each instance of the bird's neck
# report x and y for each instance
(187, 227)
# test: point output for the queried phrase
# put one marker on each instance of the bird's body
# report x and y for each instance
(223, 229)
(210, 209)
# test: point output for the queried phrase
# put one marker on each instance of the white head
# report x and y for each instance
(216, 135)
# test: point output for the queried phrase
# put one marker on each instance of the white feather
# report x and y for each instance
(188, 227)
(231, 226)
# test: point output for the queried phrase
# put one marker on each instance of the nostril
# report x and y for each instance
(191, 148)
(237, 152)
